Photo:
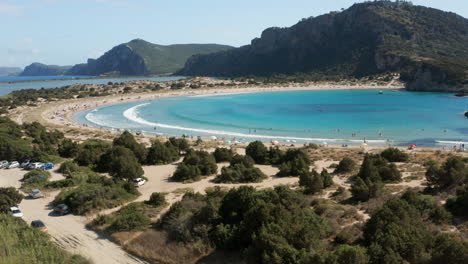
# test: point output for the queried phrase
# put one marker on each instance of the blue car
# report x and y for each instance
(47, 166)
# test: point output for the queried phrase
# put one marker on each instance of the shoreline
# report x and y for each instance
(60, 114)
(85, 78)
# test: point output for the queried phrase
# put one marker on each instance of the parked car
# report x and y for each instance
(25, 163)
(12, 165)
(139, 182)
(36, 193)
(61, 209)
(35, 165)
(16, 212)
(39, 225)
(47, 166)
(3, 163)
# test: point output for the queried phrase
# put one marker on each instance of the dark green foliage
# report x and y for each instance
(346, 254)
(68, 167)
(258, 152)
(9, 197)
(156, 199)
(24, 244)
(68, 148)
(436, 60)
(275, 155)
(451, 174)
(91, 151)
(130, 218)
(327, 178)
(458, 205)
(241, 170)
(394, 155)
(160, 153)
(12, 146)
(373, 173)
(294, 162)
(196, 163)
(270, 226)
(312, 182)
(223, 155)
(128, 141)
(181, 144)
(104, 194)
(35, 172)
(449, 249)
(121, 162)
(346, 165)
(398, 232)
(46, 141)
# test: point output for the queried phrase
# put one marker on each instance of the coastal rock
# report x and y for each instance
(139, 57)
(425, 45)
(39, 69)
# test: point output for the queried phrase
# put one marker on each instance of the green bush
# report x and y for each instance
(458, 205)
(129, 218)
(240, 174)
(160, 153)
(121, 162)
(294, 162)
(128, 141)
(196, 163)
(156, 199)
(9, 197)
(451, 174)
(346, 165)
(394, 155)
(258, 152)
(186, 172)
(223, 155)
(68, 167)
(35, 172)
(89, 197)
(91, 151)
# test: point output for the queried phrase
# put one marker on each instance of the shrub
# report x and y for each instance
(36, 172)
(67, 148)
(120, 162)
(394, 155)
(68, 167)
(458, 205)
(223, 155)
(91, 151)
(89, 197)
(239, 173)
(451, 174)
(130, 218)
(294, 162)
(346, 165)
(160, 153)
(257, 151)
(156, 199)
(9, 197)
(186, 172)
(196, 163)
(128, 141)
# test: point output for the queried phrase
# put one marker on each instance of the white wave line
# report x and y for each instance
(132, 114)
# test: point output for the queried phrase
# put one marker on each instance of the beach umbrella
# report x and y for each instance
(213, 138)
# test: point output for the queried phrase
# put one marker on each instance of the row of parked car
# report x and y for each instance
(27, 165)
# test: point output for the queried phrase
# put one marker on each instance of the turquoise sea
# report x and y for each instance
(13, 83)
(334, 117)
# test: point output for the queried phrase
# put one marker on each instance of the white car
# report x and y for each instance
(35, 165)
(13, 164)
(3, 163)
(16, 212)
(139, 182)
(25, 163)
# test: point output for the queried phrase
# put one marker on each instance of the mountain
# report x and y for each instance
(428, 47)
(139, 57)
(5, 71)
(39, 69)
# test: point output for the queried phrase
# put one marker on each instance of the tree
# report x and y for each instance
(451, 174)
(122, 163)
(223, 155)
(9, 197)
(360, 190)
(91, 151)
(346, 165)
(394, 155)
(68, 148)
(257, 151)
(326, 178)
(160, 153)
(180, 143)
(127, 140)
(346, 254)
(458, 205)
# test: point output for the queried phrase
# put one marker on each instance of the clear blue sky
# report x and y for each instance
(67, 32)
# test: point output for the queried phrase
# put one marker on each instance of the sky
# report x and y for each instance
(67, 32)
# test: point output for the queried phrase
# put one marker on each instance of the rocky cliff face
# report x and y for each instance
(427, 46)
(39, 69)
(139, 57)
(121, 60)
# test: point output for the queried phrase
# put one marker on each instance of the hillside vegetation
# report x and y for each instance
(426, 46)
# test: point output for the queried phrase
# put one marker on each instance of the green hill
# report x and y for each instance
(428, 47)
(139, 57)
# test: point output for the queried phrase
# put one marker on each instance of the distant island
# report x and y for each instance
(426, 46)
(137, 57)
(6, 71)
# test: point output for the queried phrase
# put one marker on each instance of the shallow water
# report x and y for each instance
(395, 117)
(6, 88)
